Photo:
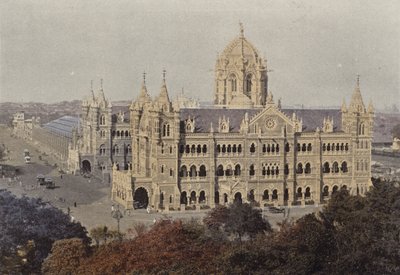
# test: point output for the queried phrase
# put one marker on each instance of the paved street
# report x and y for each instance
(92, 197)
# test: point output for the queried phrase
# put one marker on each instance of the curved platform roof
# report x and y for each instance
(63, 125)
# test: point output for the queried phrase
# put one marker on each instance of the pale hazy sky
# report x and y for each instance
(50, 50)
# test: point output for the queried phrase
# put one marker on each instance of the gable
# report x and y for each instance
(271, 121)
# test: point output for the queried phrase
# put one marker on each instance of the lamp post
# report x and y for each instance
(117, 214)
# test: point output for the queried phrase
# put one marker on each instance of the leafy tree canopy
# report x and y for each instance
(29, 220)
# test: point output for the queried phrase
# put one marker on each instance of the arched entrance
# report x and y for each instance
(140, 198)
(238, 198)
(86, 166)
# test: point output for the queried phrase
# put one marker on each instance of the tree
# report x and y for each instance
(170, 246)
(65, 256)
(25, 220)
(239, 219)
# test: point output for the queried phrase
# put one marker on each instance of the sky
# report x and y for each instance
(51, 50)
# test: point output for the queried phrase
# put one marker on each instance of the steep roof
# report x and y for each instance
(312, 118)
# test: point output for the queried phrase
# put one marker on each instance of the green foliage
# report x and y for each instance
(65, 256)
(238, 220)
(29, 220)
(351, 235)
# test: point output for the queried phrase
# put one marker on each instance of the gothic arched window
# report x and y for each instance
(202, 172)
(102, 150)
(233, 83)
(249, 84)
(103, 120)
(344, 167)
(307, 170)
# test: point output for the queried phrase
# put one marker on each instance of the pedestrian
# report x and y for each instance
(61, 176)
(74, 203)
(112, 208)
(148, 209)
(69, 210)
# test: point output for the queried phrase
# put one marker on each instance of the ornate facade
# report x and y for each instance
(103, 138)
(246, 148)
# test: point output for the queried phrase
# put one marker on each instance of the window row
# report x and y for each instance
(270, 148)
(306, 169)
(120, 134)
(270, 170)
(335, 147)
(326, 168)
(229, 148)
(192, 172)
(116, 150)
(228, 171)
(193, 149)
(304, 147)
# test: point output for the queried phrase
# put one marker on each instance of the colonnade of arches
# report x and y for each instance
(304, 147)
(229, 148)
(229, 170)
(306, 168)
(270, 148)
(192, 171)
(334, 168)
(120, 133)
(193, 149)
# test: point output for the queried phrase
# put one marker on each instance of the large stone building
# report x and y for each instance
(246, 147)
(103, 138)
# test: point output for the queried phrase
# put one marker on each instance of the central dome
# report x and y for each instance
(240, 46)
(240, 75)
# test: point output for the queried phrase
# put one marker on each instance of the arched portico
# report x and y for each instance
(140, 198)
(86, 166)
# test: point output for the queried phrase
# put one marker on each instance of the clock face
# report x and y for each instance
(270, 123)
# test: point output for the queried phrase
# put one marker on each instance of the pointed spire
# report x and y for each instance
(356, 103)
(241, 29)
(344, 107)
(101, 92)
(164, 73)
(91, 89)
(270, 98)
(144, 95)
(163, 97)
(371, 108)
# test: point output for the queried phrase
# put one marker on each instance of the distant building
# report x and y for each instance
(245, 148)
(22, 127)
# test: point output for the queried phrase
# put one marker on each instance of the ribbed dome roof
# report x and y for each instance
(235, 48)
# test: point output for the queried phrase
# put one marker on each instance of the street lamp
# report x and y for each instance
(117, 214)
